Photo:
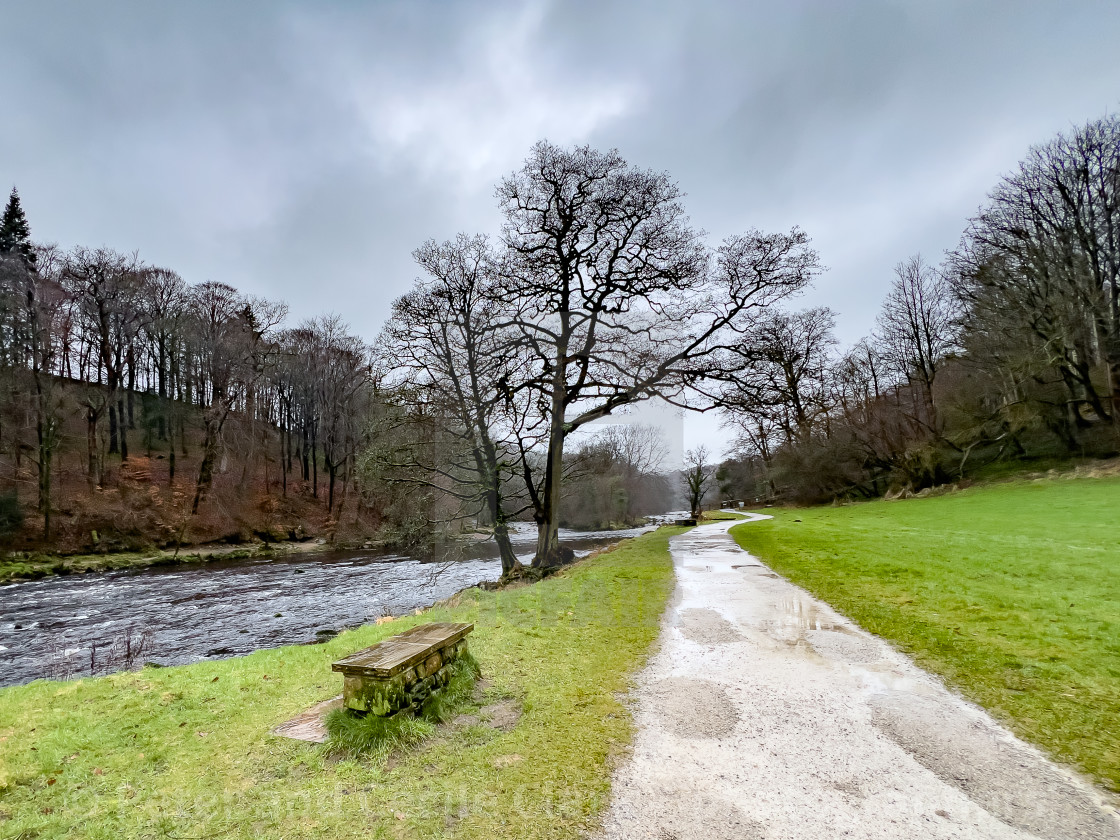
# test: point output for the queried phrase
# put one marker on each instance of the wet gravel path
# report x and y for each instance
(767, 715)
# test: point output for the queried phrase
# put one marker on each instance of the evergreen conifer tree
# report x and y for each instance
(15, 233)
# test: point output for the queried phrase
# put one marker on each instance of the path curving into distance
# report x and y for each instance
(767, 715)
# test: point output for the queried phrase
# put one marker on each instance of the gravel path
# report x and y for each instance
(767, 715)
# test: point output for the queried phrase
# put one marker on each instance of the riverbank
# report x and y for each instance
(1009, 592)
(124, 760)
(27, 565)
(22, 566)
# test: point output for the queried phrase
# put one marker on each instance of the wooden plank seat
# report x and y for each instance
(399, 673)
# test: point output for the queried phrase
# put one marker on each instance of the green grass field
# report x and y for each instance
(186, 752)
(1010, 592)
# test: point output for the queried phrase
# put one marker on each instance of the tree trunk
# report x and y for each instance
(43, 434)
(113, 446)
(123, 428)
(511, 566)
(305, 458)
(161, 376)
(91, 445)
(314, 464)
(1114, 388)
(288, 439)
(206, 468)
(486, 465)
(285, 452)
(131, 390)
(550, 554)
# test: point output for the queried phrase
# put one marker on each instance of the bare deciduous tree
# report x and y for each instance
(617, 477)
(916, 330)
(617, 298)
(786, 386)
(231, 338)
(447, 351)
(105, 285)
(698, 473)
(1042, 260)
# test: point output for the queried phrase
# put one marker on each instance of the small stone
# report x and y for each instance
(429, 665)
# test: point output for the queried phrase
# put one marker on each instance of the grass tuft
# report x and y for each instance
(375, 737)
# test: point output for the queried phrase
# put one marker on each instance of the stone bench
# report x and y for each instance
(399, 673)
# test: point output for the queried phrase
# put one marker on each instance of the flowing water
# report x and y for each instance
(72, 626)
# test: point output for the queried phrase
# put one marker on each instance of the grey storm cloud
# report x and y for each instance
(302, 150)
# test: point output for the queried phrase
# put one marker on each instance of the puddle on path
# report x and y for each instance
(757, 570)
(802, 615)
(799, 623)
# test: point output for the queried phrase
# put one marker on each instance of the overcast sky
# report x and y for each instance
(302, 150)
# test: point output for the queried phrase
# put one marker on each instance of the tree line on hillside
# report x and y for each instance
(479, 400)
(123, 367)
(1009, 349)
(138, 355)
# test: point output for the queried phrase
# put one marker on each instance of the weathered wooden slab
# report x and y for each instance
(392, 656)
(309, 726)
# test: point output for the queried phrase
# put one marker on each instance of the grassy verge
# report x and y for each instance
(185, 752)
(721, 515)
(1010, 592)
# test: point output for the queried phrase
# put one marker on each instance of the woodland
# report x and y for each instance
(139, 409)
(1003, 357)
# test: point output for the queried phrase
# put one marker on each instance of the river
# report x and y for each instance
(72, 626)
